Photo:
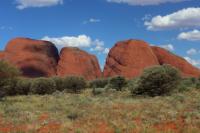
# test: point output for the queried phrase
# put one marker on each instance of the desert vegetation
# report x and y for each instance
(157, 81)
(159, 100)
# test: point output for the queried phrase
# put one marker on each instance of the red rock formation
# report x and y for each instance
(129, 58)
(165, 57)
(74, 61)
(1, 55)
(35, 58)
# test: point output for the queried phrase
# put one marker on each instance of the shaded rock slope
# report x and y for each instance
(34, 58)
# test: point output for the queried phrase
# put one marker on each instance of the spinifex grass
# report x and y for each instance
(109, 112)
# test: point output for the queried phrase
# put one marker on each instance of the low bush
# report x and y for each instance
(74, 84)
(8, 71)
(59, 83)
(42, 86)
(198, 85)
(7, 87)
(189, 83)
(117, 83)
(23, 86)
(8, 75)
(98, 91)
(98, 83)
(132, 83)
(157, 81)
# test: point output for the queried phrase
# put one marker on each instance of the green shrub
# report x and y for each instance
(132, 83)
(190, 82)
(198, 85)
(98, 83)
(74, 84)
(8, 75)
(42, 86)
(182, 87)
(157, 81)
(59, 83)
(117, 83)
(98, 91)
(8, 71)
(187, 84)
(23, 86)
(8, 87)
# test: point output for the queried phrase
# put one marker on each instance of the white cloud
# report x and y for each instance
(70, 41)
(192, 51)
(92, 20)
(146, 17)
(192, 61)
(145, 2)
(22, 4)
(99, 47)
(81, 41)
(6, 28)
(190, 35)
(185, 18)
(169, 47)
(106, 50)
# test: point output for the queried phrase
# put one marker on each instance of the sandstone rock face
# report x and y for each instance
(1, 55)
(75, 62)
(165, 57)
(35, 58)
(129, 58)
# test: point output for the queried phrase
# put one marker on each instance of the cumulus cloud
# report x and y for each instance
(190, 35)
(189, 17)
(99, 47)
(192, 51)
(193, 61)
(70, 41)
(22, 4)
(145, 2)
(169, 47)
(92, 20)
(81, 41)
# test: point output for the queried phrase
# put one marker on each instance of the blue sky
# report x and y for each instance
(96, 25)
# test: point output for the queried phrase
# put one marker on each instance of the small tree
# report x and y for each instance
(74, 84)
(8, 75)
(157, 80)
(42, 86)
(117, 83)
